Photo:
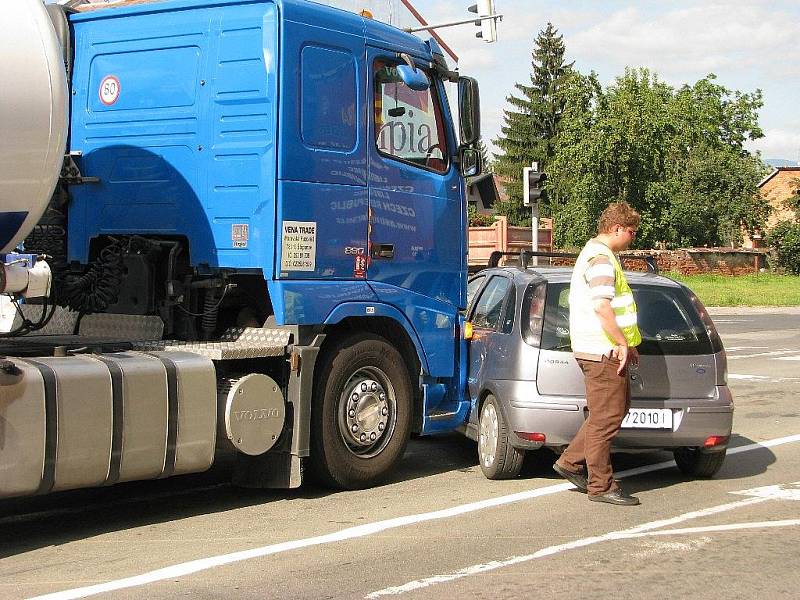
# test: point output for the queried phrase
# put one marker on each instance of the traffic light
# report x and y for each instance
(485, 8)
(532, 186)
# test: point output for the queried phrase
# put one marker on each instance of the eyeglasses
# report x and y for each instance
(631, 231)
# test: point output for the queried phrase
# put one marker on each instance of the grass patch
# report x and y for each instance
(761, 289)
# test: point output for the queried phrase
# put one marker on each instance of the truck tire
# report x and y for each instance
(696, 463)
(497, 457)
(361, 412)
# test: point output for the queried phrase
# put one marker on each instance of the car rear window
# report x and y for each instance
(667, 320)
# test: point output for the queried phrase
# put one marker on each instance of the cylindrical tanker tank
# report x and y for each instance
(33, 117)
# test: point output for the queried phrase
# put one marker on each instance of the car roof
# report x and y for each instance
(562, 274)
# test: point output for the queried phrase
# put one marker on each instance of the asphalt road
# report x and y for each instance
(441, 530)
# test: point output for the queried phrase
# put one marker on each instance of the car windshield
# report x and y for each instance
(667, 321)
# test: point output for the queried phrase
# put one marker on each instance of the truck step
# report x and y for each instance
(235, 343)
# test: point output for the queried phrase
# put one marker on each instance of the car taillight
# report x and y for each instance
(531, 437)
(711, 329)
(715, 440)
(535, 305)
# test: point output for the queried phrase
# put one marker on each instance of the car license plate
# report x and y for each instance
(648, 418)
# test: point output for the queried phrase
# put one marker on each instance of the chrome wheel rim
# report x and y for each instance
(487, 443)
(367, 412)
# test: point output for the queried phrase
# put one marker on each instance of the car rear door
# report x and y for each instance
(676, 355)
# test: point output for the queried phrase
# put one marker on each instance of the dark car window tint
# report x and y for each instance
(555, 333)
(472, 288)
(667, 321)
(489, 309)
(508, 319)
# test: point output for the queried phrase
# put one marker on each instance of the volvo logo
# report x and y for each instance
(257, 415)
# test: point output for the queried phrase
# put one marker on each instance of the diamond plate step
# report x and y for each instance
(235, 343)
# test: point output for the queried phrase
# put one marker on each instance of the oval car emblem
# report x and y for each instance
(700, 370)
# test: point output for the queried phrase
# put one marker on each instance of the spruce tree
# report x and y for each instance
(531, 122)
(486, 162)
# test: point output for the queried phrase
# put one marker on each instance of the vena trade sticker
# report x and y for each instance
(109, 90)
(299, 246)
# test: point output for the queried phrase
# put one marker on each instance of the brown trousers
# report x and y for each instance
(608, 397)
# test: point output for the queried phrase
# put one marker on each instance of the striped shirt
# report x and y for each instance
(600, 277)
(592, 279)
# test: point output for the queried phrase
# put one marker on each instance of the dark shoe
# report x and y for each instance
(617, 497)
(576, 479)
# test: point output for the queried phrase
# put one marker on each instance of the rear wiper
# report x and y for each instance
(561, 347)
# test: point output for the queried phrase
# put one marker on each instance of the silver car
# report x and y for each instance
(527, 390)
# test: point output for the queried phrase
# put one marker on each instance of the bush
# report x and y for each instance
(784, 239)
(477, 219)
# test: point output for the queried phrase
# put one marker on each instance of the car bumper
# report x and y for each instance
(559, 418)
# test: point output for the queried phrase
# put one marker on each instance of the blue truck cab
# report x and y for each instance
(280, 166)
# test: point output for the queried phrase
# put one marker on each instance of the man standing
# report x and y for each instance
(604, 337)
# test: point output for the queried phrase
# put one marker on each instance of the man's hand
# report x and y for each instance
(626, 355)
(621, 353)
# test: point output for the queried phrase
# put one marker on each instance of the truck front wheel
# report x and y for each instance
(361, 416)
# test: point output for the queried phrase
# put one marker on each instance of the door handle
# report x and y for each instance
(382, 250)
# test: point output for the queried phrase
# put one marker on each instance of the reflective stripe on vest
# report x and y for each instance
(623, 305)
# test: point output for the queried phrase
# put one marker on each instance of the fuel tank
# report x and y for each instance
(33, 117)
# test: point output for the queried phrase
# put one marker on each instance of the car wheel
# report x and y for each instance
(361, 413)
(498, 458)
(695, 463)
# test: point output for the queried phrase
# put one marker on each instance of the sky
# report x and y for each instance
(749, 45)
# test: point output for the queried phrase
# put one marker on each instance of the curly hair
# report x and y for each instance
(617, 213)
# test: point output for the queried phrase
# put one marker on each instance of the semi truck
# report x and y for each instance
(227, 227)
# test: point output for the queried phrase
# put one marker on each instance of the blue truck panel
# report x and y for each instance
(323, 110)
(186, 146)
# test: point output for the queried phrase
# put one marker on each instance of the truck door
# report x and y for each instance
(417, 229)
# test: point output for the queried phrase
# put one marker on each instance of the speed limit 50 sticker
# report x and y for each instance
(109, 90)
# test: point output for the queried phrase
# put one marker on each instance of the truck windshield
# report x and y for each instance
(408, 123)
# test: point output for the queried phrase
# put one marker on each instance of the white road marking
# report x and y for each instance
(796, 357)
(195, 566)
(617, 535)
(757, 354)
(736, 348)
(643, 530)
(732, 320)
(789, 491)
(764, 378)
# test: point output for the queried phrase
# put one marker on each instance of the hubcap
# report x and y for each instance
(367, 412)
(487, 443)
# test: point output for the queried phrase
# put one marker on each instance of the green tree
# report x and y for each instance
(486, 161)
(531, 122)
(677, 156)
(784, 239)
(793, 201)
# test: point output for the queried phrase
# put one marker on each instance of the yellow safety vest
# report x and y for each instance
(624, 305)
